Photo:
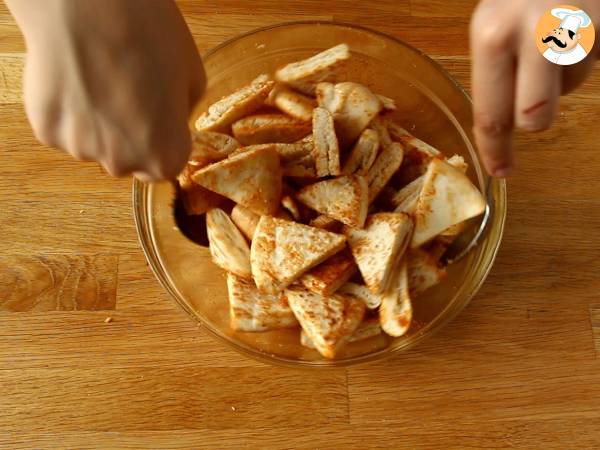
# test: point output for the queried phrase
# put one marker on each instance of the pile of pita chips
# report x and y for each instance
(326, 214)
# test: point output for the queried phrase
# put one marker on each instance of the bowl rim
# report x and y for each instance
(138, 196)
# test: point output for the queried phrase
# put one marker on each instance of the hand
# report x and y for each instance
(112, 81)
(513, 85)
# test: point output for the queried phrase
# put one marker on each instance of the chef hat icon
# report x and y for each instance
(572, 20)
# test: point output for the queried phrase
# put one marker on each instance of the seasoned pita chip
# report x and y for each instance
(303, 168)
(411, 143)
(417, 154)
(363, 154)
(345, 199)
(329, 321)
(252, 179)
(378, 246)
(448, 197)
(458, 162)
(405, 200)
(326, 223)
(395, 312)
(326, 150)
(293, 152)
(245, 220)
(239, 104)
(380, 126)
(299, 248)
(212, 145)
(328, 276)
(424, 271)
(252, 311)
(325, 66)
(290, 205)
(389, 104)
(387, 163)
(261, 256)
(196, 200)
(366, 330)
(372, 301)
(353, 107)
(269, 128)
(293, 104)
(228, 247)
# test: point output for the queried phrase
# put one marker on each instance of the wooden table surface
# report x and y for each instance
(519, 368)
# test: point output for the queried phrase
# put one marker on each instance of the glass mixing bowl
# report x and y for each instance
(432, 105)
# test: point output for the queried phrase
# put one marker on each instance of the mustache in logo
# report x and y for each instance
(556, 41)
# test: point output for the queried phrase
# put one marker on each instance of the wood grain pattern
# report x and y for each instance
(520, 367)
(58, 283)
(595, 320)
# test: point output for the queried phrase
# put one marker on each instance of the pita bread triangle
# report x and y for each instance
(345, 199)
(448, 197)
(252, 179)
(253, 311)
(328, 321)
(261, 254)
(299, 248)
(377, 248)
(395, 312)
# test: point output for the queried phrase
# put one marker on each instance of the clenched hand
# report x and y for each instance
(112, 81)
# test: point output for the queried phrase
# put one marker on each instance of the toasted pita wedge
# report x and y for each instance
(252, 179)
(261, 256)
(196, 200)
(372, 301)
(290, 205)
(458, 162)
(366, 330)
(304, 75)
(378, 246)
(326, 150)
(269, 128)
(228, 247)
(448, 197)
(328, 321)
(417, 154)
(293, 104)
(293, 152)
(411, 143)
(405, 200)
(212, 145)
(353, 107)
(424, 271)
(389, 104)
(326, 223)
(303, 168)
(239, 104)
(363, 154)
(328, 276)
(299, 248)
(395, 312)
(380, 126)
(386, 164)
(345, 199)
(245, 220)
(287, 152)
(252, 311)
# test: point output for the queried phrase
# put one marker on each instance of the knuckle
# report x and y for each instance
(492, 125)
(494, 36)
